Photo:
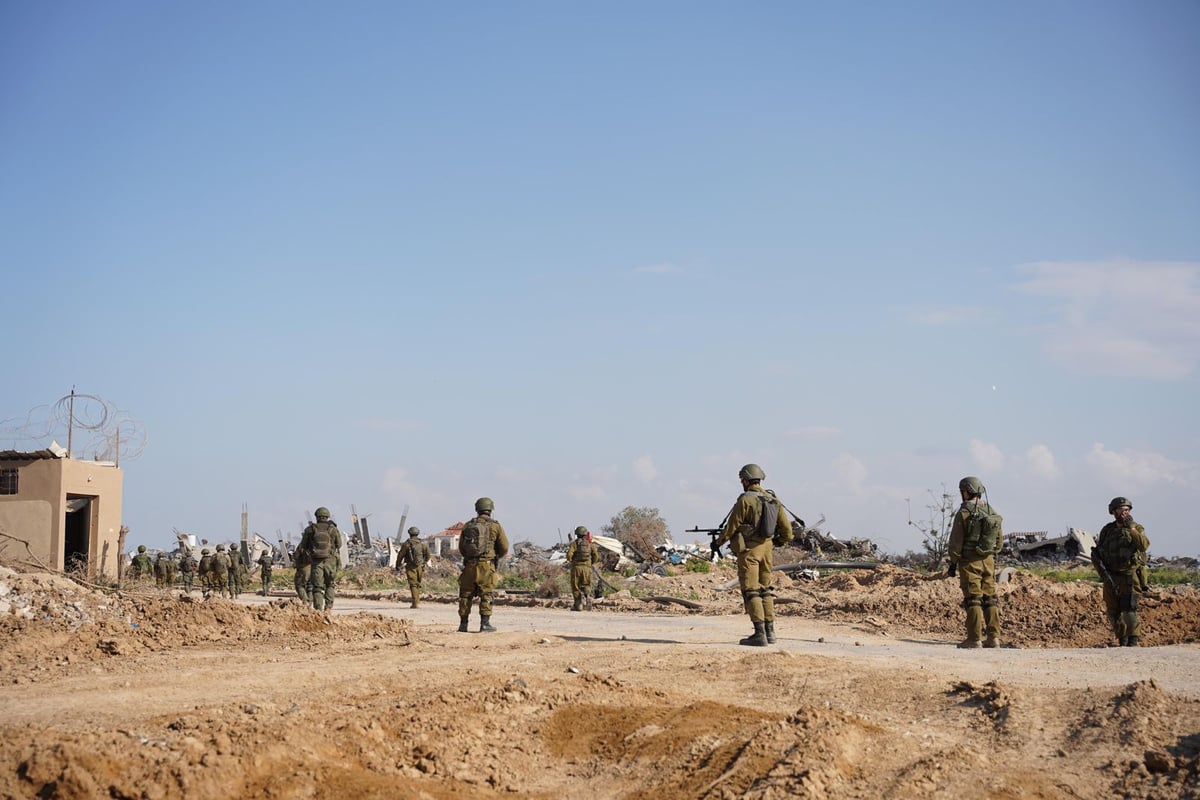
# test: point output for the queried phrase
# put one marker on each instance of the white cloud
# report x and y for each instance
(1135, 469)
(1121, 318)
(659, 269)
(1041, 462)
(850, 470)
(644, 469)
(813, 433)
(588, 493)
(986, 455)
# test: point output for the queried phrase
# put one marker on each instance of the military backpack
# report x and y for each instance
(475, 542)
(322, 540)
(983, 532)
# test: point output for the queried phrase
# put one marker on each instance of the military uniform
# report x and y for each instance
(478, 576)
(1121, 552)
(412, 558)
(322, 542)
(237, 570)
(975, 563)
(205, 571)
(219, 569)
(264, 573)
(754, 553)
(141, 566)
(160, 571)
(582, 555)
(187, 568)
(303, 576)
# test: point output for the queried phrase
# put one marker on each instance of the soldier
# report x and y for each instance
(237, 570)
(219, 568)
(264, 574)
(975, 537)
(412, 558)
(141, 566)
(205, 571)
(160, 570)
(170, 571)
(303, 575)
(755, 524)
(482, 544)
(1120, 558)
(322, 543)
(187, 568)
(582, 554)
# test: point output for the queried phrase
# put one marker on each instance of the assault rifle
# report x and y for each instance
(713, 535)
(1126, 603)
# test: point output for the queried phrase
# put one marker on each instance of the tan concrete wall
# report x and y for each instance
(105, 484)
(31, 520)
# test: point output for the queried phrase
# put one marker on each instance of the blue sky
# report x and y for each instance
(578, 257)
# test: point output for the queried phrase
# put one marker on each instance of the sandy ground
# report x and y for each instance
(864, 696)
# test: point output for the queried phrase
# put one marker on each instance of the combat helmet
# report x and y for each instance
(752, 472)
(581, 532)
(1117, 502)
(321, 513)
(220, 548)
(204, 551)
(414, 531)
(484, 504)
(971, 485)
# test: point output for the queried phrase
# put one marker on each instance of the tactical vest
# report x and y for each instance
(476, 540)
(321, 543)
(410, 554)
(220, 564)
(582, 554)
(982, 532)
(1116, 548)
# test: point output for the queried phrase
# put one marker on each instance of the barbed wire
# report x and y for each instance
(91, 426)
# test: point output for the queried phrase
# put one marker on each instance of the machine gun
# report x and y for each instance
(713, 535)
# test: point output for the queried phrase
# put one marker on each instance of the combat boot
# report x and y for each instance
(758, 638)
(578, 604)
(769, 627)
(1131, 641)
(991, 641)
(485, 625)
(587, 603)
(462, 624)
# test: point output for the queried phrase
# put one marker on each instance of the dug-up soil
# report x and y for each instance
(147, 694)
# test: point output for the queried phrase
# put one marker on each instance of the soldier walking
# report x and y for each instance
(237, 570)
(322, 543)
(582, 555)
(205, 571)
(141, 566)
(264, 571)
(1120, 558)
(219, 567)
(412, 558)
(187, 568)
(160, 570)
(482, 544)
(756, 521)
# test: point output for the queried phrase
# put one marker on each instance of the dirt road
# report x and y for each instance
(250, 699)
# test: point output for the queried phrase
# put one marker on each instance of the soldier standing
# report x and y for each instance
(975, 537)
(1120, 558)
(141, 566)
(264, 571)
(160, 570)
(756, 521)
(412, 558)
(187, 568)
(582, 555)
(219, 567)
(482, 544)
(236, 570)
(205, 571)
(303, 575)
(322, 543)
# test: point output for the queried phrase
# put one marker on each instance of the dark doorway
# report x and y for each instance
(77, 533)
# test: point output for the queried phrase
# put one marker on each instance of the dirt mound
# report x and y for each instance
(56, 626)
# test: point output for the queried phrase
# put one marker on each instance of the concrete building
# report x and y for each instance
(68, 511)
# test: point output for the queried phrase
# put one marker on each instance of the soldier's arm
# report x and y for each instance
(958, 530)
(736, 515)
(501, 541)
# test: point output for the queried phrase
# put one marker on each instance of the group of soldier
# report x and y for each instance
(757, 523)
(223, 572)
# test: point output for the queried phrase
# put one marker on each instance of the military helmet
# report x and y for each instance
(321, 513)
(752, 472)
(1117, 502)
(484, 504)
(205, 551)
(971, 485)
(414, 531)
(581, 531)
(141, 548)
(220, 548)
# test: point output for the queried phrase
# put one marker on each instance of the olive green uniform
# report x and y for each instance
(1121, 549)
(582, 555)
(264, 572)
(322, 542)
(303, 574)
(754, 554)
(205, 572)
(160, 571)
(187, 569)
(141, 566)
(237, 570)
(219, 568)
(976, 575)
(412, 558)
(478, 576)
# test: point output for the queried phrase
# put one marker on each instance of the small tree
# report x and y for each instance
(935, 533)
(642, 529)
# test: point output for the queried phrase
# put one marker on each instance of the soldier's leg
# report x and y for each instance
(466, 592)
(487, 585)
(1129, 615)
(750, 574)
(576, 589)
(301, 583)
(1112, 609)
(330, 576)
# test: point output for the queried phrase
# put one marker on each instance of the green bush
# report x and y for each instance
(698, 565)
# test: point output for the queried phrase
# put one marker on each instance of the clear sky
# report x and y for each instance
(577, 256)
